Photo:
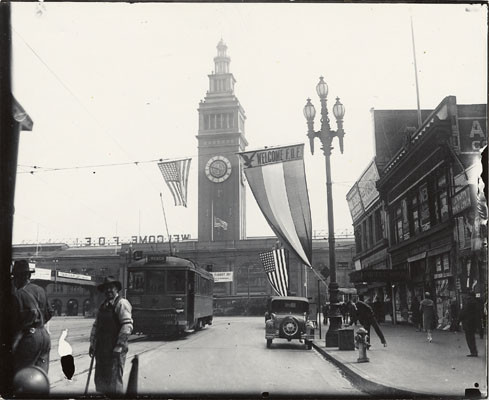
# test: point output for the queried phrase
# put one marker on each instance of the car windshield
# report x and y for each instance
(293, 306)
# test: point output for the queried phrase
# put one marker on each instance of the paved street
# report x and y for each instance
(229, 357)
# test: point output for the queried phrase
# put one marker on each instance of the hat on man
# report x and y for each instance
(20, 266)
(107, 281)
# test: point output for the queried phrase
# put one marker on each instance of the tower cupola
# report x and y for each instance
(221, 80)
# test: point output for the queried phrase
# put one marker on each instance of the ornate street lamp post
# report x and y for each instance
(326, 136)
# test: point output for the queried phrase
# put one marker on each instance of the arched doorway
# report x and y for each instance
(87, 307)
(72, 307)
(56, 305)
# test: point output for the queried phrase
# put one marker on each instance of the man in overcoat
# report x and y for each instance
(30, 312)
(471, 322)
(109, 338)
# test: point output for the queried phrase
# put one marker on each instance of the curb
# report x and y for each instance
(371, 387)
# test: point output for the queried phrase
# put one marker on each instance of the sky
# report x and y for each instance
(118, 83)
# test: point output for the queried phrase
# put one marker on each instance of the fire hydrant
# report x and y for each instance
(361, 343)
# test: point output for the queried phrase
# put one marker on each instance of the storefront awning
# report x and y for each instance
(379, 275)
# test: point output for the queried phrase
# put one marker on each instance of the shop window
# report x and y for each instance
(364, 235)
(438, 263)
(441, 200)
(397, 224)
(370, 225)
(415, 220)
(378, 225)
(424, 209)
(446, 262)
(358, 239)
(405, 220)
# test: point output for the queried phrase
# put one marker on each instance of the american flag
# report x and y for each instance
(275, 263)
(175, 174)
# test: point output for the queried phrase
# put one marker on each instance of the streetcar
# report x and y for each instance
(169, 295)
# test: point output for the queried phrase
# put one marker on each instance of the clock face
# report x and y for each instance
(218, 169)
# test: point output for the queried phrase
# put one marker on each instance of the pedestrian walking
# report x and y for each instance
(352, 313)
(31, 311)
(471, 322)
(109, 338)
(325, 314)
(415, 314)
(366, 317)
(427, 309)
(344, 312)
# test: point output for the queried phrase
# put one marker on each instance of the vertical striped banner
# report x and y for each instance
(277, 180)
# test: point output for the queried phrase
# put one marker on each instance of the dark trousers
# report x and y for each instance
(470, 338)
(109, 371)
(373, 322)
(33, 349)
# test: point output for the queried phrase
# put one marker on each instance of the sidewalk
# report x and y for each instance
(410, 365)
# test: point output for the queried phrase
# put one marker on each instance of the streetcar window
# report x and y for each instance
(176, 281)
(136, 281)
(156, 281)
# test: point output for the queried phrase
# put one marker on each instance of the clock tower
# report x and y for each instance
(221, 135)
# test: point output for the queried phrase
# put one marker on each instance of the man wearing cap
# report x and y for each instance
(31, 341)
(109, 336)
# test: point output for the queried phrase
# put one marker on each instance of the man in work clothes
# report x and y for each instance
(109, 336)
(31, 310)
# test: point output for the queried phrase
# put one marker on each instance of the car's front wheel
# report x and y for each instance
(269, 343)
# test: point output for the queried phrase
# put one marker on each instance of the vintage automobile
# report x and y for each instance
(288, 318)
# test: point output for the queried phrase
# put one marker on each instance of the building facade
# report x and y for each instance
(434, 211)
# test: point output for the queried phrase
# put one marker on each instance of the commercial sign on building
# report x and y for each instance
(226, 276)
(367, 185)
(472, 127)
(135, 239)
(355, 202)
(41, 273)
(461, 201)
(379, 275)
(74, 276)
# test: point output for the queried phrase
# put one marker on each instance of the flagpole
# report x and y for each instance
(166, 224)
(212, 220)
(416, 73)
